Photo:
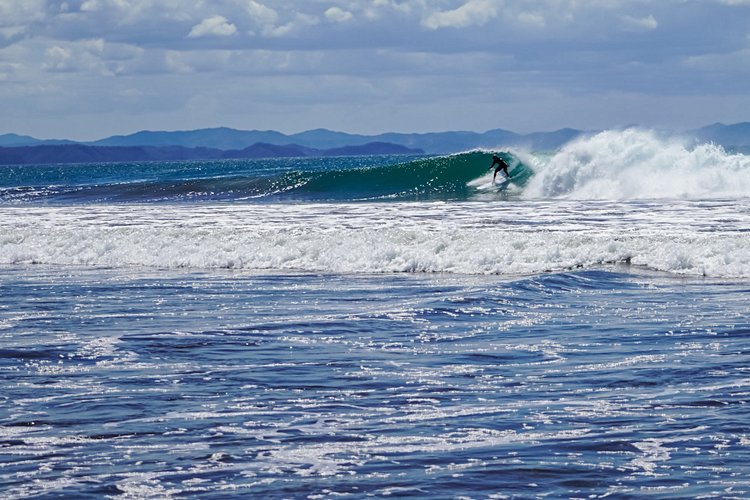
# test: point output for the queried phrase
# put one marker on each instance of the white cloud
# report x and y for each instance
(472, 13)
(213, 26)
(91, 6)
(532, 19)
(647, 23)
(18, 12)
(338, 15)
(78, 56)
(713, 63)
(11, 34)
(139, 12)
(376, 9)
(576, 47)
(57, 58)
(198, 62)
(269, 22)
(261, 13)
(299, 22)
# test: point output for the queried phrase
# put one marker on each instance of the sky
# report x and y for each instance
(87, 69)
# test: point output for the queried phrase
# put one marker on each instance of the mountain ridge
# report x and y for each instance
(228, 139)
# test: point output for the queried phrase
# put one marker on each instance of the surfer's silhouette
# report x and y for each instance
(501, 165)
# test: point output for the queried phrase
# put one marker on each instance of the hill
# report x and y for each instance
(81, 153)
(733, 137)
(322, 139)
(15, 140)
(736, 136)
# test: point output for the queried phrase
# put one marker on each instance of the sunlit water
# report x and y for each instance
(216, 383)
(322, 328)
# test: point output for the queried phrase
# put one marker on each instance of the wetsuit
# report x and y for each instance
(501, 165)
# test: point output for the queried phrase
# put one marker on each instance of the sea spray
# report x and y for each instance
(636, 164)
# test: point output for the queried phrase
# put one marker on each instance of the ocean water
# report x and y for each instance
(379, 326)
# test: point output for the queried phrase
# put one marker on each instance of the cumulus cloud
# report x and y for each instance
(297, 23)
(57, 58)
(378, 9)
(476, 49)
(472, 13)
(261, 12)
(640, 23)
(532, 19)
(338, 15)
(16, 12)
(83, 56)
(213, 26)
(270, 22)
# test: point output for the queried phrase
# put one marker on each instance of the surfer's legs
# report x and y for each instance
(499, 168)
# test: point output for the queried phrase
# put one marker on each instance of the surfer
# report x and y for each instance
(501, 165)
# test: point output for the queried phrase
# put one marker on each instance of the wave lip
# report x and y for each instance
(636, 164)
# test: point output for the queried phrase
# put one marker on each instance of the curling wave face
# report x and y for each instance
(394, 178)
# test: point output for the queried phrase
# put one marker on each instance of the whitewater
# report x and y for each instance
(380, 326)
(706, 238)
(623, 197)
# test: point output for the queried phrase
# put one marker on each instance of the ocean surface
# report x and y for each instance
(383, 326)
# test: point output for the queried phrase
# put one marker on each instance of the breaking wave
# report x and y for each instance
(454, 177)
(635, 164)
(699, 238)
(627, 164)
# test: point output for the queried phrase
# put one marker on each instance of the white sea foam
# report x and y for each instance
(684, 237)
(638, 164)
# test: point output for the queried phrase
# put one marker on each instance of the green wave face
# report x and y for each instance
(520, 173)
(458, 177)
(435, 178)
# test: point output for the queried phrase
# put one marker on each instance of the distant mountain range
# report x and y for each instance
(83, 153)
(736, 136)
(431, 143)
(223, 142)
(226, 139)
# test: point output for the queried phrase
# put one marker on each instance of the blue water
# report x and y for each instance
(423, 335)
(155, 383)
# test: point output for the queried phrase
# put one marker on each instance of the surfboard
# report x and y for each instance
(502, 183)
(485, 183)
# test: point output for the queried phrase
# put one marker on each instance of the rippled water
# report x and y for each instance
(609, 381)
